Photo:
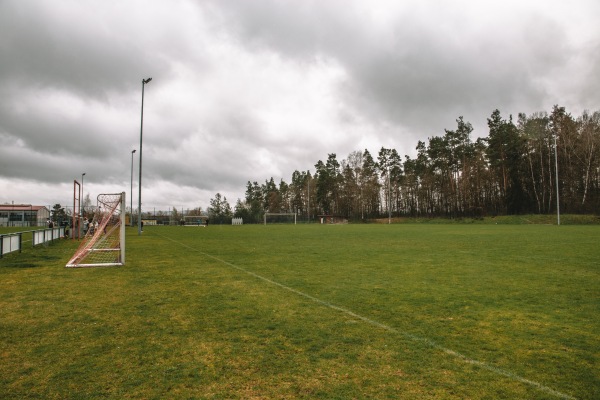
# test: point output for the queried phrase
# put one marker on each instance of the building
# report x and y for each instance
(23, 215)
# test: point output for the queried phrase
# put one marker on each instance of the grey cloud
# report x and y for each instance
(420, 71)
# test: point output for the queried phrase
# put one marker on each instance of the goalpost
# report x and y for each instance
(280, 218)
(104, 243)
(195, 220)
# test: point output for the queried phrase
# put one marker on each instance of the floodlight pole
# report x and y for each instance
(131, 189)
(389, 198)
(308, 194)
(144, 81)
(556, 170)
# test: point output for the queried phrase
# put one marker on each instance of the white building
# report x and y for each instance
(23, 215)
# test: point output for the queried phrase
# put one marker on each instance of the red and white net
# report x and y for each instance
(101, 245)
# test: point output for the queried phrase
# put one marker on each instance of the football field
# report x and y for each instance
(400, 311)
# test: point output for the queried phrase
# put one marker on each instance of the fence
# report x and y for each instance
(47, 235)
(237, 221)
(12, 242)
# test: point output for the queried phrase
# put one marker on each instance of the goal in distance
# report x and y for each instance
(195, 220)
(104, 242)
(280, 218)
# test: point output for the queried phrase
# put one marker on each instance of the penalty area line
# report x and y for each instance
(415, 338)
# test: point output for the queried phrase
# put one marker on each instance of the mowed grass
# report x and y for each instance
(398, 311)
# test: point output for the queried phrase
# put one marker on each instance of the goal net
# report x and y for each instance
(104, 242)
(280, 218)
(195, 220)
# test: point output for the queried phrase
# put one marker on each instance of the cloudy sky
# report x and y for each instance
(253, 89)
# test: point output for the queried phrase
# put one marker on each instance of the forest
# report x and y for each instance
(521, 167)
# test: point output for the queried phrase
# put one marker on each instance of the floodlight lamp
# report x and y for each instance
(146, 80)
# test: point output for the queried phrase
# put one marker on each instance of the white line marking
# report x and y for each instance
(429, 342)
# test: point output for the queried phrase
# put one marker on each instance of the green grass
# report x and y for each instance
(531, 219)
(399, 311)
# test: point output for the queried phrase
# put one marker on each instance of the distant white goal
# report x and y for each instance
(280, 218)
(195, 220)
(104, 243)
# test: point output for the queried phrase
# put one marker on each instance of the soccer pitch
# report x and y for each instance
(309, 311)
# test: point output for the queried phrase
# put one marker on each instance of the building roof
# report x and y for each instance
(21, 207)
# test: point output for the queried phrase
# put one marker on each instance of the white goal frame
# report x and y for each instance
(104, 244)
(268, 214)
(192, 220)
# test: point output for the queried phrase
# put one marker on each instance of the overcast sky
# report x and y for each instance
(252, 89)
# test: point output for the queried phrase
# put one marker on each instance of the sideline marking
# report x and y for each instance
(429, 342)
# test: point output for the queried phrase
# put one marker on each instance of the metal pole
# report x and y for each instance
(131, 189)
(80, 197)
(557, 191)
(389, 198)
(144, 81)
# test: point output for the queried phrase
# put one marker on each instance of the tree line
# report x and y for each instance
(521, 167)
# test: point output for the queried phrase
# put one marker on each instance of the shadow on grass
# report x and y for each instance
(20, 265)
(39, 256)
(27, 261)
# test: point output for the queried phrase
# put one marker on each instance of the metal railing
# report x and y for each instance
(11, 242)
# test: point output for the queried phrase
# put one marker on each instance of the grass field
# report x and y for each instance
(399, 311)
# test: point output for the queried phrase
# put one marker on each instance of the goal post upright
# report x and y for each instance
(122, 228)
